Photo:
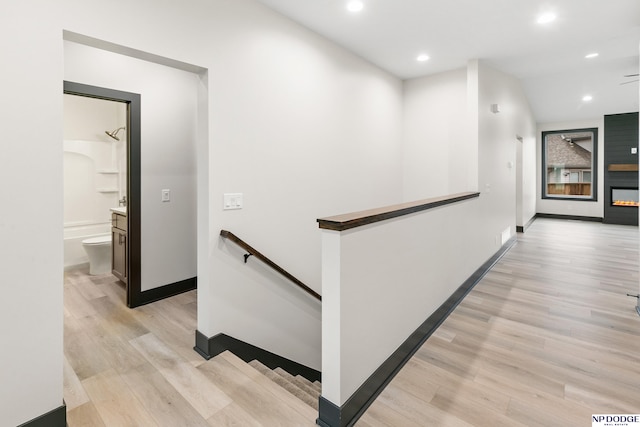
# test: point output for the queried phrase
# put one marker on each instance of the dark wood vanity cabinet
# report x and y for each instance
(119, 246)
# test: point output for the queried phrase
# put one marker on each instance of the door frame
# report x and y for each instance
(134, 295)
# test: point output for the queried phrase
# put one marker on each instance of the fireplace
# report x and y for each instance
(621, 203)
(624, 197)
(621, 169)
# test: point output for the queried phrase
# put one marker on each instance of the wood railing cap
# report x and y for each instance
(358, 219)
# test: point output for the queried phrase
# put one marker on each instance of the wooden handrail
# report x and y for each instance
(358, 219)
(244, 245)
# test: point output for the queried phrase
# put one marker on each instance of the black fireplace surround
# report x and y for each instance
(621, 169)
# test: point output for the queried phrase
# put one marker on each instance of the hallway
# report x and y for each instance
(548, 337)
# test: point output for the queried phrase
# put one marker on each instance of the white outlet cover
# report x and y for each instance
(232, 201)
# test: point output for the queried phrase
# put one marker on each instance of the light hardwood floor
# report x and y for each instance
(137, 367)
(547, 338)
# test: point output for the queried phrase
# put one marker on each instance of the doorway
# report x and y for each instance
(133, 178)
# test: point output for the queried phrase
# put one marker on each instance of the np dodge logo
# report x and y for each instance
(615, 420)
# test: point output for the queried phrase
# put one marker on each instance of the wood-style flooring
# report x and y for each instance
(547, 338)
(137, 367)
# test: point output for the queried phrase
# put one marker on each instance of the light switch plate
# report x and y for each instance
(166, 195)
(232, 201)
(634, 150)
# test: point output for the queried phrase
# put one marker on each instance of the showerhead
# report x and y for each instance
(114, 133)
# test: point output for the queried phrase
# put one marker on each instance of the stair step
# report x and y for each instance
(257, 400)
(317, 386)
(295, 380)
(285, 384)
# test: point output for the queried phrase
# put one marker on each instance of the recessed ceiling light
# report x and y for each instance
(422, 57)
(591, 55)
(545, 18)
(355, 6)
(587, 98)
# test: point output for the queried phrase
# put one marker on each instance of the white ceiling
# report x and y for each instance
(549, 59)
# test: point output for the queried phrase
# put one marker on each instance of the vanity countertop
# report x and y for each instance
(120, 210)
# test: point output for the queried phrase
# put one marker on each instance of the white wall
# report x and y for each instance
(438, 156)
(498, 145)
(384, 280)
(88, 118)
(168, 154)
(526, 180)
(31, 218)
(453, 143)
(572, 207)
(303, 129)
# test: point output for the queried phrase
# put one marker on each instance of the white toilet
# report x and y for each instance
(99, 251)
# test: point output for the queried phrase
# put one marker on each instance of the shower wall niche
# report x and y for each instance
(95, 170)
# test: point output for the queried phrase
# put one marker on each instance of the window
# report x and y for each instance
(575, 176)
(569, 160)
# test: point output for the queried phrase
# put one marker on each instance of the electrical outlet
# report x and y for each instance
(232, 201)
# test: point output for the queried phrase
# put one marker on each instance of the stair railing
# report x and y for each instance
(253, 252)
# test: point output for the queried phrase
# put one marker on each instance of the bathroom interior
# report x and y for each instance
(95, 181)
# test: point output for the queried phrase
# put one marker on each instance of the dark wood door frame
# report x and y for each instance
(133, 101)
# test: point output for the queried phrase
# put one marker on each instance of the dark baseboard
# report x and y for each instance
(162, 292)
(211, 347)
(622, 221)
(54, 418)
(331, 415)
(522, 229)
(571, 217)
